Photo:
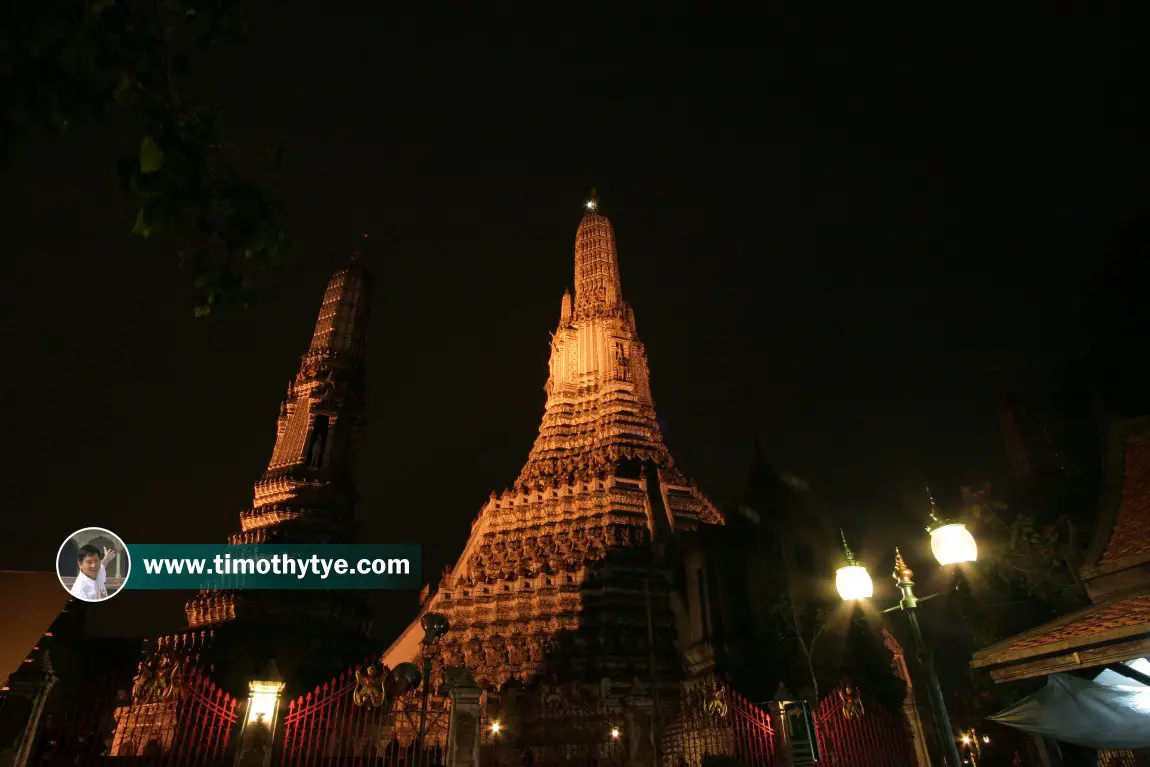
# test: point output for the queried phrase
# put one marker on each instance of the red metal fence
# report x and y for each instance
(190, 723)
(714, 720)
(328, 724)
(853, 732)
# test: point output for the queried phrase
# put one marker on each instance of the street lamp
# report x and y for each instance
(852, 580)
(951, 543)
(434, 626)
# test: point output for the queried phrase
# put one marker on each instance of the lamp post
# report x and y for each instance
(258, 731)
(951, 544)
(434, 626)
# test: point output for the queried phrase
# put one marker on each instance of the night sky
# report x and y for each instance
(843, 240)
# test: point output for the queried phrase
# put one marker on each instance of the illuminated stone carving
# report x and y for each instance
(159, 676)
(369, 687)
(852, 704)
(717, 700)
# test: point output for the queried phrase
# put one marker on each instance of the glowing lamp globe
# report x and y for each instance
(853, 582)
(952, 544)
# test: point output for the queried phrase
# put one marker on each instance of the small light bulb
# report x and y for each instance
(614, 732)
(495, 727)
(985, 738)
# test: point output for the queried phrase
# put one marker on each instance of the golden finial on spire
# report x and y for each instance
(901, 571)
(593, 201)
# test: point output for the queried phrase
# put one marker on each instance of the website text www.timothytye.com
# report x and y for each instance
(286, 565)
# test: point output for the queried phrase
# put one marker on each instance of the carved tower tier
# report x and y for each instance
(562, 581)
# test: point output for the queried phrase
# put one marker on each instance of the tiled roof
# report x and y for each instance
(29, 602)
(1131, 533)
(1125, 613)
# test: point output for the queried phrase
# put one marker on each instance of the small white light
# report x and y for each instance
(263, 698)
(592, 205)
(952, 544)
(853, 582)
(985, 738)
(614, 732)
(495, 727)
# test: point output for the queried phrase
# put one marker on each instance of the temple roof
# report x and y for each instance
(1116, 627)
(29, 602)
(1129, 541)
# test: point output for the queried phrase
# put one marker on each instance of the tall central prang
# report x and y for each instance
(599, 413)
(561, 584)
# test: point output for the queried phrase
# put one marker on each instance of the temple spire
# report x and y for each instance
(598, 292)
(342, 323)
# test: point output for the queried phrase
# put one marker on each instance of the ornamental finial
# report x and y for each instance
(934, 514)
(850, 555)
(901, 571)
(593, 201)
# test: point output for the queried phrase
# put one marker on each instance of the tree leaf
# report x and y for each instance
(151, 156)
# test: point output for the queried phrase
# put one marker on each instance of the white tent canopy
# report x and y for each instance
(1111, 712)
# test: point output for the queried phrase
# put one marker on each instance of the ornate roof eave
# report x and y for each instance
(1113, 494)
(1092, 646)
(1117, 626)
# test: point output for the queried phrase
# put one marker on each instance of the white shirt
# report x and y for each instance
(89, 590)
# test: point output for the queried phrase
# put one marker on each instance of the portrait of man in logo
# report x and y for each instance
(93, 564)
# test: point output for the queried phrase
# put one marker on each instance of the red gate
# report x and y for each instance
(188, 722)
(714, 720)
(853, 733)
(334, 722)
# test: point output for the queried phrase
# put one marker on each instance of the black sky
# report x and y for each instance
(843, 239)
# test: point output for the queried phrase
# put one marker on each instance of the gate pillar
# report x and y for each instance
(35, 687)
(782, 737)
(639, 731)
(257, 739)
(463, 729)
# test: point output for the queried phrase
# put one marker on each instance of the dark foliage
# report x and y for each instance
(62, 61)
